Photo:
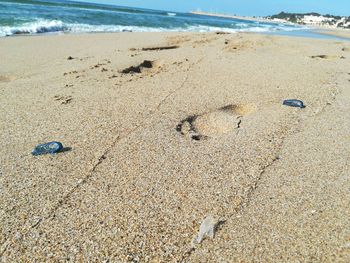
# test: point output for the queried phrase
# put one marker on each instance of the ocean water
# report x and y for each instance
(53, 16)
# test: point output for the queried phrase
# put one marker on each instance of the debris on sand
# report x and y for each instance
(50, 147)
(207, 228)
(221, 33)
(146, 64)
(294, 103)
(64, 99)
(159, 48)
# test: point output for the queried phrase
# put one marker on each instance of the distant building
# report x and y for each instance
(314, 19)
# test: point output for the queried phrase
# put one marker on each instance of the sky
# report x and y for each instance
(240, 7)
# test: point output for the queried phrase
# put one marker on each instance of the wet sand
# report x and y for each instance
(342, 33)
(185, 132)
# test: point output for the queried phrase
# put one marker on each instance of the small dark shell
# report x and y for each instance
(50, 147)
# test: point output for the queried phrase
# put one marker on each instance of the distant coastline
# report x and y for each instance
(248, 18)
(312, 20)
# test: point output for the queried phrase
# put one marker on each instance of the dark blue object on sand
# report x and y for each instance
(294, 103)
(50, 147)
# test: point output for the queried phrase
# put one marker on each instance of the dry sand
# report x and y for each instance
(199, 131)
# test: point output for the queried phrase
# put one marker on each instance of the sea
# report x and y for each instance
(34, 17)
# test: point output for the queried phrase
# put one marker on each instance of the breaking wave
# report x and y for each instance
(55, 26)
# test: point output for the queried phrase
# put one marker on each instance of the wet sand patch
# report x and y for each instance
(5, 79)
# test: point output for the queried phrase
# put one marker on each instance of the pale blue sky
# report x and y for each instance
(240, 7)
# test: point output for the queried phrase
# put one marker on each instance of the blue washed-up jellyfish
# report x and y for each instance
(50, 147)
(294, 103)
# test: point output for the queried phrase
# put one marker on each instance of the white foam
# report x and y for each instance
(202, 28)
(39, 26)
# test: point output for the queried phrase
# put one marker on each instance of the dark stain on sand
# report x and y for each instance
(5, 79)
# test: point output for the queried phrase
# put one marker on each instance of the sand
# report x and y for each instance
(342, 33)
(191, 132)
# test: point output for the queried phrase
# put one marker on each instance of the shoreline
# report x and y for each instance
(246, 18)
(338, 32)
(330, 33)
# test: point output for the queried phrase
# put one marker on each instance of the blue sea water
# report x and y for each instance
(47, 16)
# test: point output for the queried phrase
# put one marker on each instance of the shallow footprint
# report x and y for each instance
(215, 123)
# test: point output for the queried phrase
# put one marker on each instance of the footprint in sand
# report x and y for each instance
(204, 40)
(238, 45)
(145, 66)
(215, 123)
(177, 40)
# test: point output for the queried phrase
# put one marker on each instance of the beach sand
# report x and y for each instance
(197, 130)
(343, 33)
